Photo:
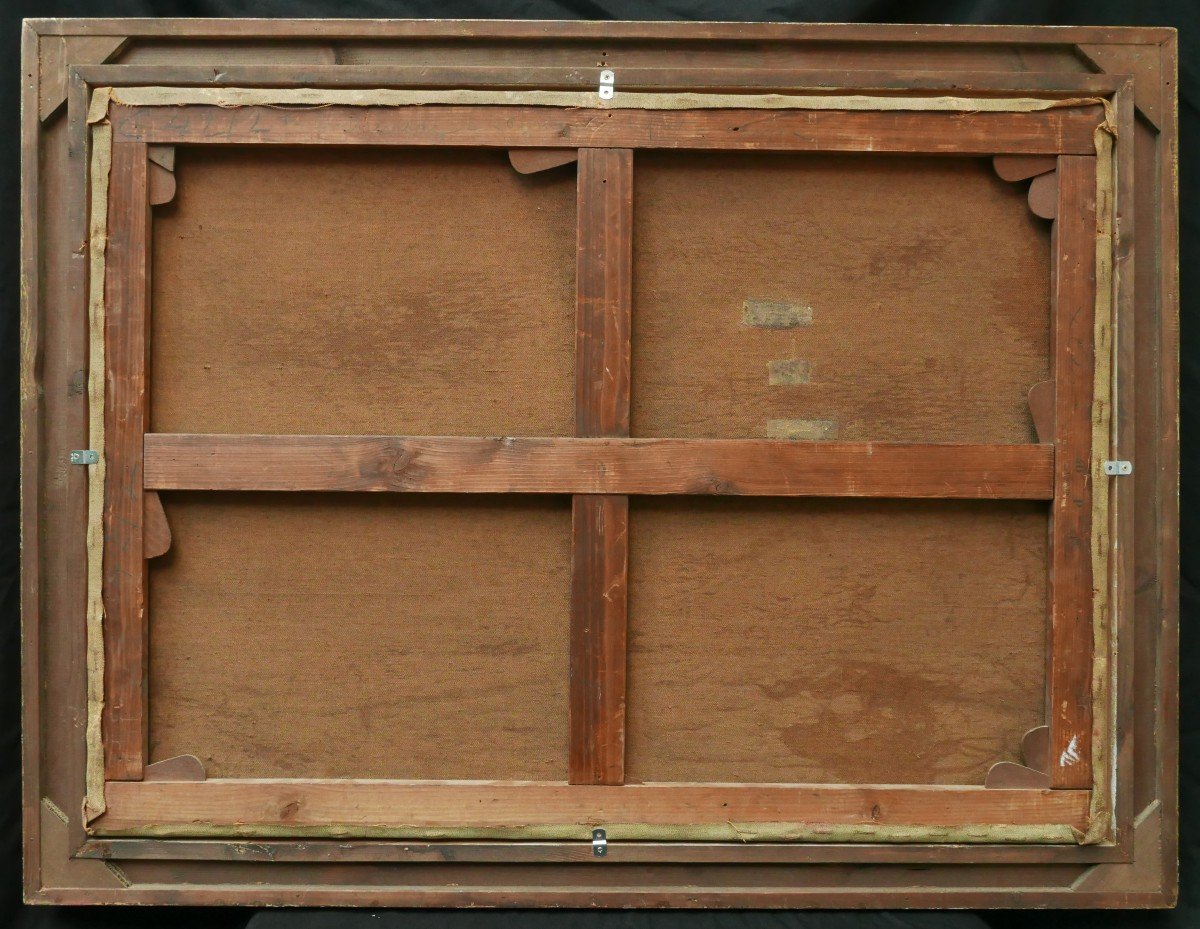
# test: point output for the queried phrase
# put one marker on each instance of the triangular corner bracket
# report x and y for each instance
(59, 866)
(1144, 874)
(1142, 62)
(56, 53)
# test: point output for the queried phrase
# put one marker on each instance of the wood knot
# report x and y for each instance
(394, 462)
(718, 485)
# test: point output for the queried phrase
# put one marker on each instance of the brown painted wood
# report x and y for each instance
(507, 852)
(1159, 445)
(1070, 675)
(64, 286)
(1022, 167)
(1035, 748)
(1043, 195)
(649, 888)
(162, 185)
(534, 30)
(162, 155)
(296, 805)
(599, 617)
(55, 355)
(600, 524)
(731, 77)
(34, 606)
(603, 292)
(1127, 582)
(1041, 408)
(125, 721)
(533, 160)
(453, 464)
(1005, 775)
(1132, 58)
(156, 531)
(57, 53)
(1060, 130)
(179, 768)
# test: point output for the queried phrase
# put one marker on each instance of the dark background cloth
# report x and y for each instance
(1182, 14)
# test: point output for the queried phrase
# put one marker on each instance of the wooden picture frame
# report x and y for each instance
(1087, 819)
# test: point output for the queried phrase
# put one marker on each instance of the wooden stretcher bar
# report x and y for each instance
(453, 464)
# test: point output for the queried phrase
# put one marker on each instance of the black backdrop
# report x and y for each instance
(1183, 14)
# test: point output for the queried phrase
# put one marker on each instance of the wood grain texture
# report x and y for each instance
(299, 804)
(1066, 130)
(833, 641)
(599, 524)
(1134, 59)
(1156, 434)
(36, 225)
(57, 53)
(362, 636)
(48, 681)
(1124, 579)
(126, 290)
(946, 266)
(385, 67)
(567, 850)
(599, 617)
(1070, 674)
(927, 39)
(603, 292)
(310, 52)
(470, 332)
(460, 464)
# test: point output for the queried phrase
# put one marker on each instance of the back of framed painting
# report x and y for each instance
(593, 464)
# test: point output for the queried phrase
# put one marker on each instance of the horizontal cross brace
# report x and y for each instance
(453, 464)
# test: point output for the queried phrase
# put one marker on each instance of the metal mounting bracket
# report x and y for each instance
(608, 80)
(1118, 467)
(599, 843)
(85, 456)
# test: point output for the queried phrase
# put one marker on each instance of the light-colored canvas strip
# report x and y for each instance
(986, 834)
(1103, 692)
(322, 96)
(100, 164)
(1103, 443)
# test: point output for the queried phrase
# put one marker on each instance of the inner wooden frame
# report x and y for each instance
(601, 473)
